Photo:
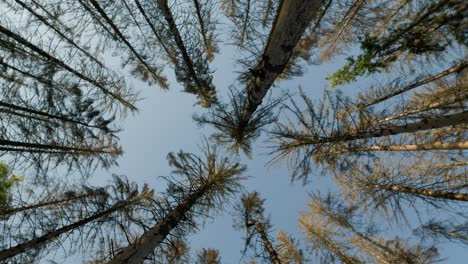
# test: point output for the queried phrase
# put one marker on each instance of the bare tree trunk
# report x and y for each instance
(293, 17)
(428, 146)
(269, 247)
(204, 88)
(424, 192)
(425, 124)
(456, 68)
(62, 65)
(43, 114)
(155, 76)
(36, 242)
(427, 108)
(70, 41)
(24, 146)
(137, 252)
(53, 202)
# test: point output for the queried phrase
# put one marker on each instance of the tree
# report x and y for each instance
(208, 256)
(206, 182)
(329, 223)
(338, 128)
(385, 187)
(239, 122)
(7, 181)
(73, 215)
(431, 30)
(250, 216)
(58, 102)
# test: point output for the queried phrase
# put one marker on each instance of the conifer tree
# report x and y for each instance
(205, 183)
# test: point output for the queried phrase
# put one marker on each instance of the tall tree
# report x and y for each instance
(205, 183)
(329, 221)
(251, 217)
(123, 197)
(240, 121)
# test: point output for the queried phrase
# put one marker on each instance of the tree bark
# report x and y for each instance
(36, 242)
(137, 252)
(428, 146)
(293, 17)
(424, 192)
(266, 242)
(425, 124)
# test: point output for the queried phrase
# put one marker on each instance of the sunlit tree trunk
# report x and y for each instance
(424, 192)
(430, 79)
(425, 124)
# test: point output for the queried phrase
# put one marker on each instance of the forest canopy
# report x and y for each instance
(383, 118)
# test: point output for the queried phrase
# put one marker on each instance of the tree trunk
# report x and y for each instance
(70, 41)
(143, 247)
(456, 68)
(428, 146)
(155, 76)
(462, 98)
(47, 115)
(425, 124)
(53, 60)
(424, 192)
(204, 88)
(25, 146)
(39, 241)
(38, 205)
(293, 17)
(269, 247)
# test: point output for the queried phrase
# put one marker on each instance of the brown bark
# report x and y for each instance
(266, 242)
(36, 242)
(137, 252)
(425, 124)
(293, 17)
(61, 64)
(428, 146)
(424, 192)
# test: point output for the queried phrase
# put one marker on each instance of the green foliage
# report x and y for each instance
(430, 32)
(7, 181)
